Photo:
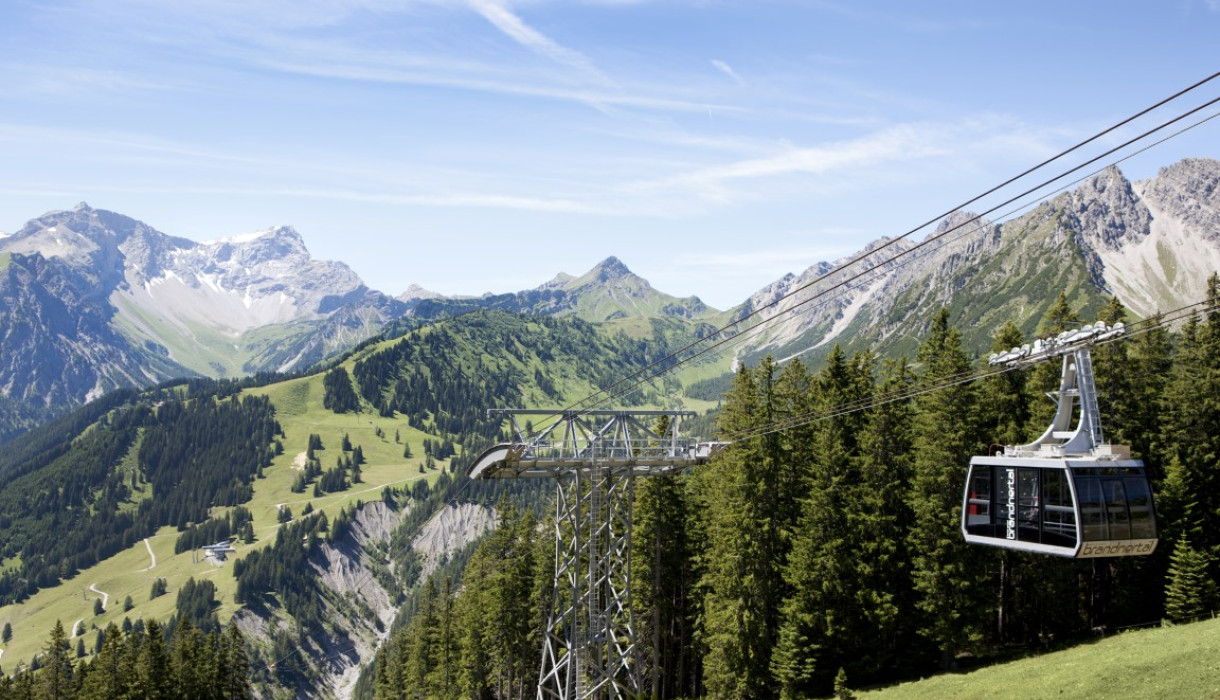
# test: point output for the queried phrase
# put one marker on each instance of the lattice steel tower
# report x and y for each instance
(590, 649)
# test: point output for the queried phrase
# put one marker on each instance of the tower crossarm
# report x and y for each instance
(586, 440)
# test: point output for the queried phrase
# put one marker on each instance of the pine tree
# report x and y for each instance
(1004, 401)
(1190, 591)
(55, 681)
(815, 634)
(949, 576)
(742, 498)
(1193, 413)
(6, 635)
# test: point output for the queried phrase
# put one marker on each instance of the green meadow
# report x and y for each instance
(131, 572)
(1181, 662)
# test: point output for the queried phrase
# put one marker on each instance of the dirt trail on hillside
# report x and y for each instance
(151, 555)
(105, 596)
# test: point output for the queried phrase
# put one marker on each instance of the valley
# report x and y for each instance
(345, 420)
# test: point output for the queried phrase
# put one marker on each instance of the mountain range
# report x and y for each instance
(94, 300)
(100, 500)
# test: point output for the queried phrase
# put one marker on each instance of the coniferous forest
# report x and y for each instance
(828, 555)
(139, 661)
(799, 561)
(61, 509)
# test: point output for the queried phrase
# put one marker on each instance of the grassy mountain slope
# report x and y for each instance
(608, 292)
(538, 362)
(1170, 662)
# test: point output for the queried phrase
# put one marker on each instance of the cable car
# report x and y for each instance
(1067, 493)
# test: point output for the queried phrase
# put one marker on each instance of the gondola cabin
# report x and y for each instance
(1067, 493)
(1070, 507)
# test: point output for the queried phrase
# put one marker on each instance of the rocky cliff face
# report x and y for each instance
(1151, 243)
(59, 346)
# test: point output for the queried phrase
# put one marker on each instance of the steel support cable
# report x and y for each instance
(819, 295)
(887, 244)
(1135, 329)
(861, 257)
(876, 400)
(951, 236)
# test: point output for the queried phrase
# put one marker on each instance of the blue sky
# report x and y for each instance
(486, 145)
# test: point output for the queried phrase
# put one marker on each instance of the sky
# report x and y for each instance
(474, 146)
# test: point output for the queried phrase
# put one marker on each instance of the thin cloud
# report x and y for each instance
(728, 70)
(897, 143)
(362, 71)
(515, 28)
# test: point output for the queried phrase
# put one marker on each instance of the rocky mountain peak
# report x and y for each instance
(1107, 211)
(261, 246)
(957, 221)
(98, 244)
(612, 269)
(560, 280)
(1189, 191)
(416, 293)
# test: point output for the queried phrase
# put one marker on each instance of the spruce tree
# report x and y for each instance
(663, 583)
(109, 676)
(153, 673)
(1113, 375)
(1003, 399)
(1190, 590)
(1193, 413)
(235, 665)
(949, 576)
(819, 621)
(56, 679)
(881, 513)
(740, 496)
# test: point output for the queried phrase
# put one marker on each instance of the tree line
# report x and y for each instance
(173, 458)
(145, 661)
(829, 554)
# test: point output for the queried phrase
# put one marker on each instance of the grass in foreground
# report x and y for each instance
(1180, 662)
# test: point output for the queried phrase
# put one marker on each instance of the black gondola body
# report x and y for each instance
(1067, 493)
